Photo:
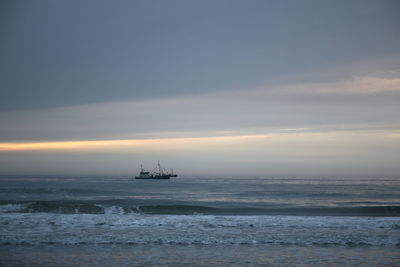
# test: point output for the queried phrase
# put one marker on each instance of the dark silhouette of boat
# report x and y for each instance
(160, 173)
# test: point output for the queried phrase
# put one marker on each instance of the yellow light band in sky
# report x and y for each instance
(306, 139)
(115, 144)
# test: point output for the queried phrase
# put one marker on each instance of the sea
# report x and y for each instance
(199, 221)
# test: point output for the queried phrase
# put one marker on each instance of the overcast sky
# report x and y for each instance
(207, 87)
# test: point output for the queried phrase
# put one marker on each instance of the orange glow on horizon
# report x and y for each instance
(124, 143)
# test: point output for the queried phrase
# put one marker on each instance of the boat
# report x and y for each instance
(159, 173)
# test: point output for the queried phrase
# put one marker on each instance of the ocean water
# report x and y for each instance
(199, 221)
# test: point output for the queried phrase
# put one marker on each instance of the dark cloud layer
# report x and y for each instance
(61, 53)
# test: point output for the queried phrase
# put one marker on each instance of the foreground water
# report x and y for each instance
(197, 255)
(199, 221)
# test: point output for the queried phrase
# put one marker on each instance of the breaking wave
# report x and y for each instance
(8, 208)
(125, 207)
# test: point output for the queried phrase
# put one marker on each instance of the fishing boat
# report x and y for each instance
(159, 173)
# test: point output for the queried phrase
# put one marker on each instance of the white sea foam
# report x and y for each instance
(112, 227)
(12, 208)
(113, 210)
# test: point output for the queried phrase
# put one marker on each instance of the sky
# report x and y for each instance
(253, 88)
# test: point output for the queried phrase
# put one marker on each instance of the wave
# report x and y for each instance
(115, 228)
(301, 211)
(57, 191)
(160, 241)
(129, 206)
(9, 208)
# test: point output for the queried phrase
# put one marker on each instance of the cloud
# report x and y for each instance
(359, 85)
(358, 104)
(344, 127)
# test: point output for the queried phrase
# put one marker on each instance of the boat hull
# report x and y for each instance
(158, 177)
